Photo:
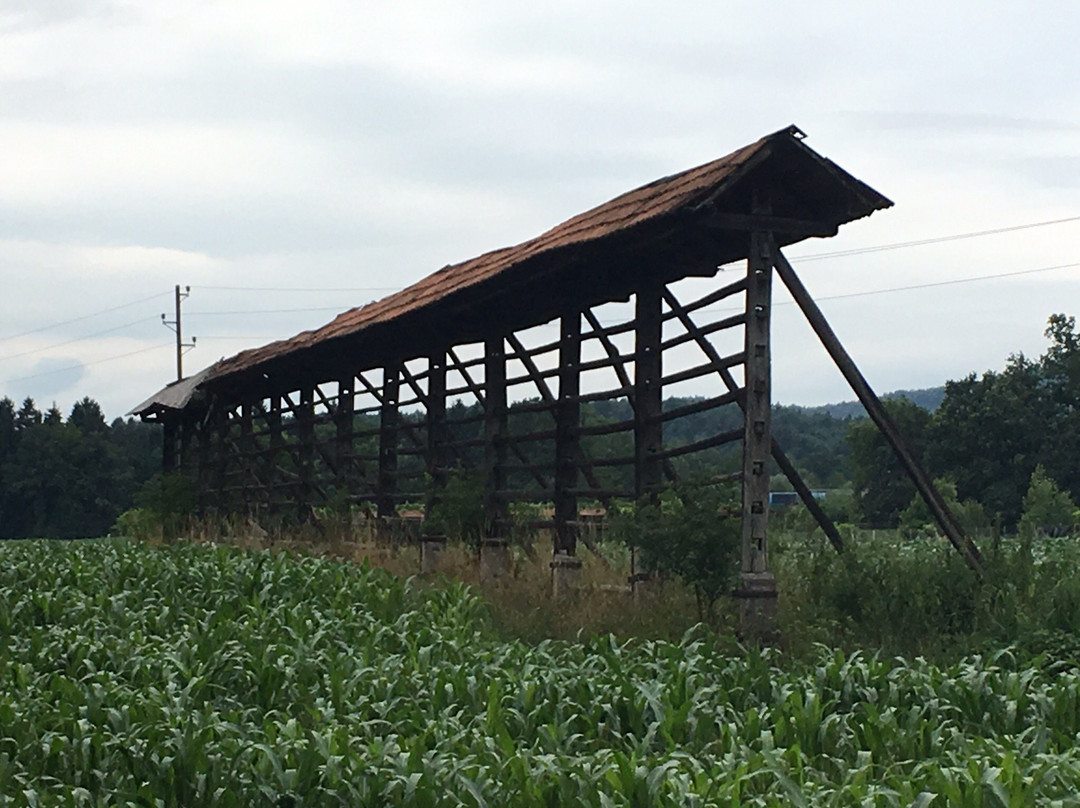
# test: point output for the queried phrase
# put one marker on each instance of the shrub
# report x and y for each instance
(693, 531)
(1045, 505)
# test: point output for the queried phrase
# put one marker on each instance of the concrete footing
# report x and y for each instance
(639, 578)
(494, 559)
(757, 606)
(565, 575)
(431, 550)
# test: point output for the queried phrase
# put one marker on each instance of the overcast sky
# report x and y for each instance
(244, 147)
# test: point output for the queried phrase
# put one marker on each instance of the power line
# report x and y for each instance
(77, 339)
(83, 317)
(84, 364)
(260, 311)
(937, 240)
(303, 289)
(950, 282)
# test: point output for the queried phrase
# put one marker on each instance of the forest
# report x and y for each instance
(70, 478)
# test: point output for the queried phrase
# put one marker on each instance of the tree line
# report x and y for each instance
(70, 478)
(992, 441)
(987, 441)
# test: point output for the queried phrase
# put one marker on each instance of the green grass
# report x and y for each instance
(198, 675)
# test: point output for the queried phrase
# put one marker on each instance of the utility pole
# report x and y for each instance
(177, 328)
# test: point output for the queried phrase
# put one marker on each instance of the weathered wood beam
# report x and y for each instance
(305, 434)
(753, 223)
(878, 414)
(757, 435)
(346, 472)
(567, 421)
(495, 435)
(648, 388)
(388, 439)
(437, 466)
(170, 445)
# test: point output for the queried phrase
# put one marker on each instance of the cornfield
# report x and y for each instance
(198, 675)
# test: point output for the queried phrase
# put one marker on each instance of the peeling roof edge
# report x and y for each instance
(173, 396)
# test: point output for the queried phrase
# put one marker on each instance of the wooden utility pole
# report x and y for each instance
(176, 325)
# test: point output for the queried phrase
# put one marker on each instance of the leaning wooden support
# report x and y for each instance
(940, 510)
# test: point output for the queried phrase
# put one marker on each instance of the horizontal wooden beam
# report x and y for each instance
(769, 224)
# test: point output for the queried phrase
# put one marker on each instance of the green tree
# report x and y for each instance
(28, 415)
(882, 486)
(87, 416)
(1045, 505)
(916, 517)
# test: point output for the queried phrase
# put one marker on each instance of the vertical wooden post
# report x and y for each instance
(203, 428)
(495, 433)
(220, 425)
(388, 442)
(436, 429)
(648, 391)
(170, 450)
(567, 423)
(305, 433)
(277, 441)
(758, 585)
(247, 493)
(344, 472)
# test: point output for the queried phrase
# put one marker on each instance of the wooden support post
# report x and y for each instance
(495, 434)
(245, 457)
(567, 421)
(305, 434)
(345, 471)
(170, 448)
(940, 510)
(757, 435)
(205, 463)
(648, 390)
(277, 442)
(388, 442)
(436, 430)
(220, 426)
(757, 592)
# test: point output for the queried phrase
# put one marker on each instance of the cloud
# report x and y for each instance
(54, 375)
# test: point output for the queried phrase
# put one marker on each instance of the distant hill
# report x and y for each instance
(928, 398)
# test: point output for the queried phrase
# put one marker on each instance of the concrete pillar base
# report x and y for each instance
(565, 575)
(431, 550)
(494, 559)
(757, 606)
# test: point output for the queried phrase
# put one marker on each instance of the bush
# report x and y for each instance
(694, 531)
(171, 498)
(916, 519)
(459, 510)
(141, 524)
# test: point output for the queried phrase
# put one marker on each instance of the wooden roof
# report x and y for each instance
(684, 224)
